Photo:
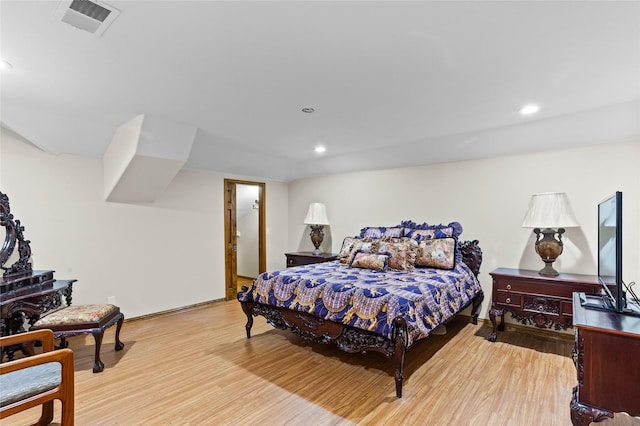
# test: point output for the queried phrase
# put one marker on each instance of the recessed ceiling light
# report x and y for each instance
(320, 149)
(5, 65)
(529, 109)
(308, 110)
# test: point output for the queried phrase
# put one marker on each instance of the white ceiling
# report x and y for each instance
(392, 83)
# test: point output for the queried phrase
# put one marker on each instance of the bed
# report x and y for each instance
(390, 288)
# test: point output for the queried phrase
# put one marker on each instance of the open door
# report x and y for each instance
(231, 233)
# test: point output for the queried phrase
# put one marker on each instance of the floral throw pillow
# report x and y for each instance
(366, 245)
(402, 252)
(345, 251)
(437, 253)
(374, 261)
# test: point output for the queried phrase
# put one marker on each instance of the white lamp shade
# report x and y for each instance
(317, 215)
(549, 210)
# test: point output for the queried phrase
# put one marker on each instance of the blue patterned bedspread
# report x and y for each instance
(368, 299)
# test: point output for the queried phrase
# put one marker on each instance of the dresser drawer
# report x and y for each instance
(296, 261)
(563, 290)
(534, 304)
(307, 258)
(299, 261)
(544, 305)
(508, 299)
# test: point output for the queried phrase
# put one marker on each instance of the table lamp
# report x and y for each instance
(549, 213)
(316, 218)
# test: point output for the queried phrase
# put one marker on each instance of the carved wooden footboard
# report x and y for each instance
(350, 339)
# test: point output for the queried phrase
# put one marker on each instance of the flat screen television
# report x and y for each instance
(610, 251)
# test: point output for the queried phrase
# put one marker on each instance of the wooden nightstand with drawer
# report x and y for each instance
(307, 257)
(534, 299)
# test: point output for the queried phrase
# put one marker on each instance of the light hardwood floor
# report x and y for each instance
(196, 367)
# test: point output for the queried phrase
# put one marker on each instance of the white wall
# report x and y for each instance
(170, 253)
(155, 257)
(489, 198)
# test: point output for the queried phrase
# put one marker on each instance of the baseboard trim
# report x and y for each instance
(173, 311)
(544, 333)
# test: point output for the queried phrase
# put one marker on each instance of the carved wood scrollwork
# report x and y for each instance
(319, 330)
(471, 255)
(539, 320)
(578, 359)
(542, 321)
(308, 327)
(584, 415)
(33, 307)
(13, 232)
(541, 304)
(357, 341)
(271, 313)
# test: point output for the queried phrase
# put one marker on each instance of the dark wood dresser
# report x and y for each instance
(533, 299)
(306, 257)
(606, 355)
(25, 293)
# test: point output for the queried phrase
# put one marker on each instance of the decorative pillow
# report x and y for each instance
(417, 234)
(408, 226)
(345, 251)
(402, 252)
(437, 253)
(375, 261)
(381, 231)
(366, 245)
(413, 230)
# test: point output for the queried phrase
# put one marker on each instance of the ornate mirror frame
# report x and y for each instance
(13, 232)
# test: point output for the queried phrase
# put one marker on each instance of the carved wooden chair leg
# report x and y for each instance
(98, 365)
(119, 344)
(63, 343)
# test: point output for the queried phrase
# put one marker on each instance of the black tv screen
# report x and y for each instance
(610, 250)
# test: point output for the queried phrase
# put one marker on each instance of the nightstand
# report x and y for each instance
(534, 299)
(306, 257)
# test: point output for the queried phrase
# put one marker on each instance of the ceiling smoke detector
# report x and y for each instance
(89, 15)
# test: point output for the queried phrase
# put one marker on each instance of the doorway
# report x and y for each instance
(245, 232)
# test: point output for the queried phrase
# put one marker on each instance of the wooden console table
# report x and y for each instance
(606, 352)
(31, 302)
(534, 299)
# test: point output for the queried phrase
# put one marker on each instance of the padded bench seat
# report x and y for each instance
(84, 319)
(37, 380)
(28, 382)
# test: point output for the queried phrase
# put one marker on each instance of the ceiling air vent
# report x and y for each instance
(89, 15)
